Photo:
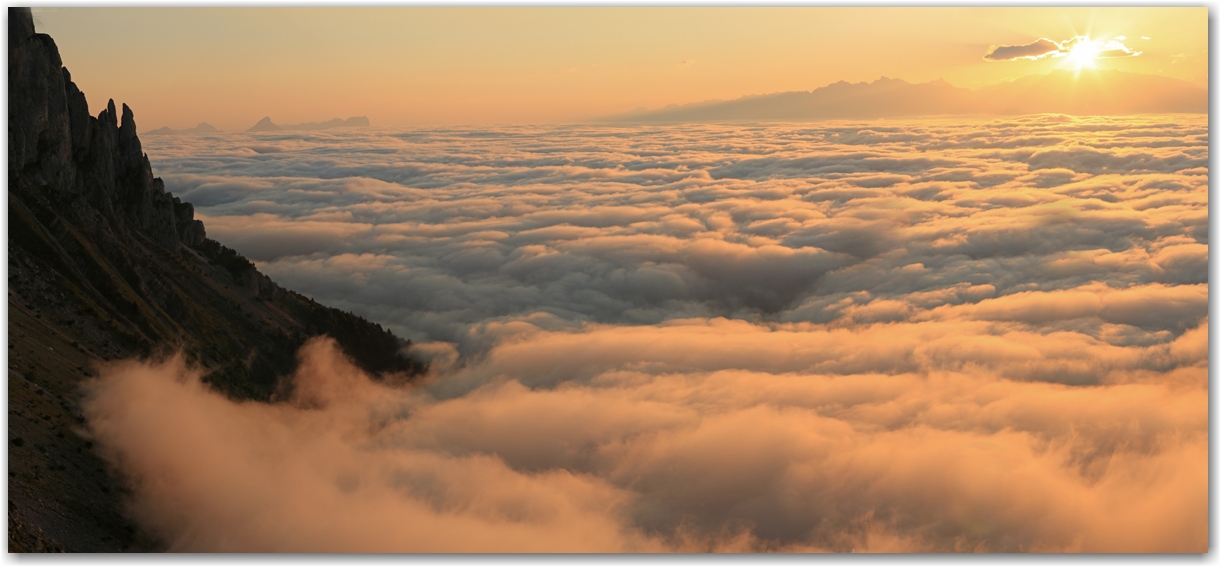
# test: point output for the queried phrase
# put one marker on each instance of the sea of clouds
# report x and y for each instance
(935, 335)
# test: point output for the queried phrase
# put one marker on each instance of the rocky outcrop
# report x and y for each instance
(84, 201)
(190, 231)
(93, 165)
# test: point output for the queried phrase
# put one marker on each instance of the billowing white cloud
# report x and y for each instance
(917, 335)
(700, 435)
(432, 231)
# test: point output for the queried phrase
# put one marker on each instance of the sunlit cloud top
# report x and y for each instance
(912, 335)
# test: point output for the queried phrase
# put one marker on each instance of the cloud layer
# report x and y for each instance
(900, 335)
(437, 232)
(729, 437)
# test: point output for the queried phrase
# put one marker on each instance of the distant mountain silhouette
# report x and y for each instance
(202, 128)
(266, 125)
(1090, 92)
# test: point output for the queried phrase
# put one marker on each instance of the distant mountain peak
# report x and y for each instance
(264, 125)
(201, 128)
(1091, 92)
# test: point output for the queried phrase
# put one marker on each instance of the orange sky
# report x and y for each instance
(400, 66)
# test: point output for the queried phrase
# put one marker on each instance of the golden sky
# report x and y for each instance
(465, 65)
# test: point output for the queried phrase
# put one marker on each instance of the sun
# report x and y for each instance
(1083, 53)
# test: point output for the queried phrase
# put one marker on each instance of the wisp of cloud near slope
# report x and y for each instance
(924, 335)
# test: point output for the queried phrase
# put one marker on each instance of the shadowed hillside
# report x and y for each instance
(105, 264)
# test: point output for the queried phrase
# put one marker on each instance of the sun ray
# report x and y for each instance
(1083, 53)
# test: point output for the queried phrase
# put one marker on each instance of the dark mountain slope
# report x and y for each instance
(105, 264)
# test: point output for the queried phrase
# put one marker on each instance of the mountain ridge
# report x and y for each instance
(266, 125)
(201, 128)
(1060, 91)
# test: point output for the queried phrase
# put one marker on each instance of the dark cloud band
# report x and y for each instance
(1036, 50)
(1043, 47)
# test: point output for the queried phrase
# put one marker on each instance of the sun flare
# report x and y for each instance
(1084, 54)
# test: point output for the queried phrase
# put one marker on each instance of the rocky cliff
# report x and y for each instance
(96, 166)
(105, 264)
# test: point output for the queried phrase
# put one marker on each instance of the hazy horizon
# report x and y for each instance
(1198, 100)
(407, 66)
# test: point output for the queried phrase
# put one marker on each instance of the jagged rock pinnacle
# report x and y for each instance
(73, 158)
